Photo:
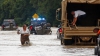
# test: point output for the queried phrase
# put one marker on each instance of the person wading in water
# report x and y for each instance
(24, 35)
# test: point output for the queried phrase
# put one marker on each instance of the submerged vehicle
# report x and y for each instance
(9, 24)
(84, 34)
(40, 26)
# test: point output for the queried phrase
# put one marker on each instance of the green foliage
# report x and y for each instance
(22, 10)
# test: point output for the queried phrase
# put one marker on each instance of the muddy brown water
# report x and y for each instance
(41, 45)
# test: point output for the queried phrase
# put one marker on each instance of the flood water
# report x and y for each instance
(41, 45)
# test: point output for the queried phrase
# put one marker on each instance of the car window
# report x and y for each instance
(37, 22)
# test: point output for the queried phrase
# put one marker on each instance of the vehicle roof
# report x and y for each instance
(84, 1)
(8, 19)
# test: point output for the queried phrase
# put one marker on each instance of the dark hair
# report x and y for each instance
(25, 24)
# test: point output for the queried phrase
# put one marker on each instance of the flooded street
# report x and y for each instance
(41, 45)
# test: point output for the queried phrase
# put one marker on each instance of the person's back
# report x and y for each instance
(79, 13)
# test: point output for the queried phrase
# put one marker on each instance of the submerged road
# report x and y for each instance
(41, 45)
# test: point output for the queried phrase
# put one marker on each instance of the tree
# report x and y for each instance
(22, 10)
(47, 8)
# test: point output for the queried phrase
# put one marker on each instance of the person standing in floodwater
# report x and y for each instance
(24, 35)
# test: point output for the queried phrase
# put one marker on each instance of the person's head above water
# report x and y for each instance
(24, 26)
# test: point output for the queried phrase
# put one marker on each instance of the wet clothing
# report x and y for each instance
(24, 32)
(24, 37)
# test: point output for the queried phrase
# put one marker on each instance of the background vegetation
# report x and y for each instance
(22, 10)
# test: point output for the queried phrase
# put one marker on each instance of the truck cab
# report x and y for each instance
(84, 34)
